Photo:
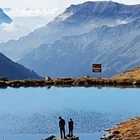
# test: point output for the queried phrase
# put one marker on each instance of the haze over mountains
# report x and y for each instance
(24, 21)
(92, 32)
(74, 20)
(117, 48)
(10, 69)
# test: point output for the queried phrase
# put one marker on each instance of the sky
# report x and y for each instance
(50, 3)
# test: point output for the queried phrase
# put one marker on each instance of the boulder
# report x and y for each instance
(50, 138)
(107, 129)
(86, 76)
(48, 78)
(108, 137)
(111, 136)
(68, 138)
(116, 132)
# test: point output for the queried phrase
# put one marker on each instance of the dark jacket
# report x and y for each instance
(62, 123)
(71, 124)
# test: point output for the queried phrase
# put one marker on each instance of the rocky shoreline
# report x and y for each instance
(127, 79)
(71, 82)
(129, 130)
(67, 138)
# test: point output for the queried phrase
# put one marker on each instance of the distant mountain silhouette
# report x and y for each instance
(15, 71)
(4, 18)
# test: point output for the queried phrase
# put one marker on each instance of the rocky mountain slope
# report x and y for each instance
(116, 48)
(4, 18)
(75, 20)
(15, 71)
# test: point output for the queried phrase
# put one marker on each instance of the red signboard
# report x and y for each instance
(97, 67)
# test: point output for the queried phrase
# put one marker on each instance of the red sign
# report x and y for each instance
(97, 67)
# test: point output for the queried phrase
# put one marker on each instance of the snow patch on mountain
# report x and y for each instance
(64, 16)
(121, 21)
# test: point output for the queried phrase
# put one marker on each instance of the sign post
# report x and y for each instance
(97, 68)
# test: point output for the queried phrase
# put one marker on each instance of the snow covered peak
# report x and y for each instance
(103, 9)
(94, 6)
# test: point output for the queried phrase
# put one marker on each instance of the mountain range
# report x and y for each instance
(4, 18)
(75, 20)
(116, 48)
(10, 69)
(15, 71)
(92, 32)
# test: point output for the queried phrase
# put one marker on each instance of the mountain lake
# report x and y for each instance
(32, 113)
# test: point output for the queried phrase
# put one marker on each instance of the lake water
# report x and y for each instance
(32, 113)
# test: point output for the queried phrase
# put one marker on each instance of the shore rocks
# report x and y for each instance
(111, 136)
(48, 78)
(68, 82)
(67, 138)
(3, 79)
(107, 129)
(86, 76)
(108, 137)
(50, 138)
(116, 132)
(129, 130)
(3, 84)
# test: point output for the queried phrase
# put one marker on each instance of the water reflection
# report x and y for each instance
(69, 86)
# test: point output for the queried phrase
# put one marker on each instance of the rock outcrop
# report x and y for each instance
(129, 130)
(129, 74)
(67, 138)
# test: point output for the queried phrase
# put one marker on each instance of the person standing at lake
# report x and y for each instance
(70, 124)
(62, 127)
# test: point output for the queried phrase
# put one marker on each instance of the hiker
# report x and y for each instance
(70, 124)
(62, 127)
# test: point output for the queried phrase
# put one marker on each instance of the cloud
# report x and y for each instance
(8, 27)
(51, 3)
(30, 12)
(12, 31)
(25, 20)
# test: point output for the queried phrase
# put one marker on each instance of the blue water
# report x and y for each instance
(32, 113)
